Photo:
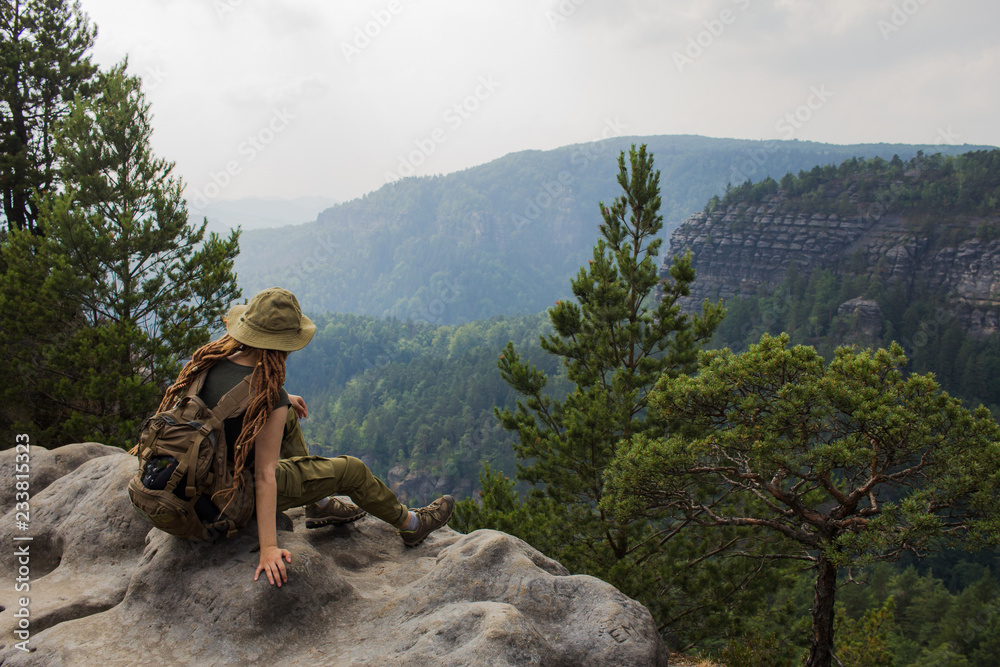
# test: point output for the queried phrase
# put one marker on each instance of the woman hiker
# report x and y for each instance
(267, 436)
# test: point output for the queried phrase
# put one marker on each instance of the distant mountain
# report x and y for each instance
(504, 237)
(260, 212)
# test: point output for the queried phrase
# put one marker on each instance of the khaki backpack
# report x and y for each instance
(183, 465)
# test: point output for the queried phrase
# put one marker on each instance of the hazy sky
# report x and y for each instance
(288, 98)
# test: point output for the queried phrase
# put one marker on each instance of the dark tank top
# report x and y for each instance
(222, 377)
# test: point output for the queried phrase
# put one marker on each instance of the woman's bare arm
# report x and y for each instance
(266, 448)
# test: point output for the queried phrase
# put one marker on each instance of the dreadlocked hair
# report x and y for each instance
(204, 358)
(265, 389)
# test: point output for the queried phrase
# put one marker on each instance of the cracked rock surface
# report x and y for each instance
(105, 589)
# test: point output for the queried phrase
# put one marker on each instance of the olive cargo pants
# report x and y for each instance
(304, 479)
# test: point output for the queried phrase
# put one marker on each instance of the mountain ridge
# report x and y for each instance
(504, 237)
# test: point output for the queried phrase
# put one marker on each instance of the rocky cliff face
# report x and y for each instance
(105, 589)
(747, 250)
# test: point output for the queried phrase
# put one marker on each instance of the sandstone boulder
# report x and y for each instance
(107, 590)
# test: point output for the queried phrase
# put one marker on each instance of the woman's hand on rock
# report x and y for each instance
(272, 563)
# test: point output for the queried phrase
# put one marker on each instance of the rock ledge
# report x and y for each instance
(106, 590)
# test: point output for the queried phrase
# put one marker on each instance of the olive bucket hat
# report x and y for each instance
(272, 320)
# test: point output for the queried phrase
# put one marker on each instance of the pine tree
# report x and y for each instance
(119, 285)
(44, 64)
(842, 465)
(615, 341)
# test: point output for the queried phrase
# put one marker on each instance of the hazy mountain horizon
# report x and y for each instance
(260, 212)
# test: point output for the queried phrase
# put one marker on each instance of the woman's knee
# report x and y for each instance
(355, 470)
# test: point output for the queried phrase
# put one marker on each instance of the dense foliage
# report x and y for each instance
(44, 62)
(99, 307)
(414, 394)
(925, 184)
(848, 464)
(104, 284)
(941, 610)
(944, 201)
(806, 308)
(615, 340)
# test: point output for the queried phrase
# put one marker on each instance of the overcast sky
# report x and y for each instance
(289, 98)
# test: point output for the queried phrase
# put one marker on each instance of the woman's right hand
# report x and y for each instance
(272, 563)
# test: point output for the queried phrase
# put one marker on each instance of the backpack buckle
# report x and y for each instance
(203, 428)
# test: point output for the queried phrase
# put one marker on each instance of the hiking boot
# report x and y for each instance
(335, 513)
(431, 518)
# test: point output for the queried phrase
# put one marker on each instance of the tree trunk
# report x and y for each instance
(821, 646)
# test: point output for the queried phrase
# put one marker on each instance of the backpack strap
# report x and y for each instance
(191, 464)
(234, 402)
(197, 384)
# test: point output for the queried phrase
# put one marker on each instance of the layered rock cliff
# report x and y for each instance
(747, 249)
(105, 589)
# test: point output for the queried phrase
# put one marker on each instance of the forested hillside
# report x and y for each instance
(504, 237)
(867, 252)
(414, 395)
